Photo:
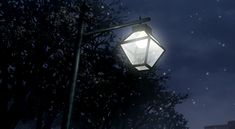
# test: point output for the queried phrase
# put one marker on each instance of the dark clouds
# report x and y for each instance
(199, 36)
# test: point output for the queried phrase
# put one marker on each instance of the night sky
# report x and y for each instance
(199, 38)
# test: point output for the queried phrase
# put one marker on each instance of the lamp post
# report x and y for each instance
(142, 38)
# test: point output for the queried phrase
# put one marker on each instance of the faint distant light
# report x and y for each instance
(225, 69)
(219, 16)
(207, 88)
(223, 45)
(207, 73)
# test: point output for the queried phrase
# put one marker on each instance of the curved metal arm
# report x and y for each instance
(142, 20)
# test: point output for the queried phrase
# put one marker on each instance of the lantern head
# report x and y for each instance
(141, 48)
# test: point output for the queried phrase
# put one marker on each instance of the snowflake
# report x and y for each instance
(88, 120)
(45, 65)
(193, 102)
(82, 113)
(101, 95)
(47, 48)
(11, 69)
(169, 70)
(164, 73)
(225, 70)
(192, 31)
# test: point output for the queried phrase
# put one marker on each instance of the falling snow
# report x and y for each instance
(169, 70)
(11, 69)
(204, 105)
(45, 65)
(225, 70)
(164, 73)
(192, 32)
(193, 102)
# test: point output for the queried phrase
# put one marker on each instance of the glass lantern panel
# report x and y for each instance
(136, 51)
(140, 68)
(155, 51)
(135, 35)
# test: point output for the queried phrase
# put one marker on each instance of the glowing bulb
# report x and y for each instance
(138, 34)
(141, 44)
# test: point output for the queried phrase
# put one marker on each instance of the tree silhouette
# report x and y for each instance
(37, 51)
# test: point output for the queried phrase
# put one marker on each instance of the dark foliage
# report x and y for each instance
(37, 50)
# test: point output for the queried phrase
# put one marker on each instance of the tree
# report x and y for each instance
(37, 42)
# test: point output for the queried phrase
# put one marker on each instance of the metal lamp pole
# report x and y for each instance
(68, 112)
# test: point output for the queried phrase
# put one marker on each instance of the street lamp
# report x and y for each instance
(141, 48)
